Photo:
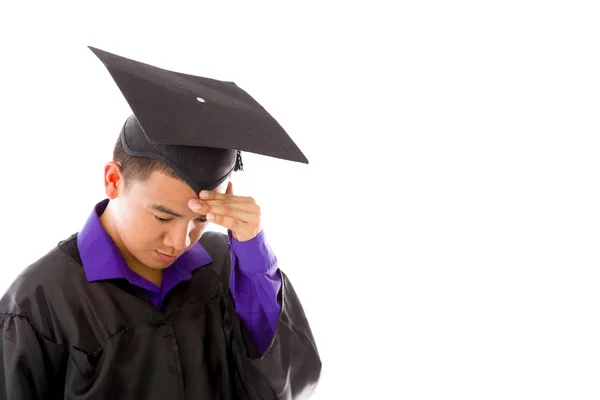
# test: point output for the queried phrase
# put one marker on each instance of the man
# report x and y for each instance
(143, 303)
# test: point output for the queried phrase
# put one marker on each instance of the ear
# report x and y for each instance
(113, 180)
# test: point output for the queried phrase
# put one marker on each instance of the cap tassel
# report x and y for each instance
(239, 166)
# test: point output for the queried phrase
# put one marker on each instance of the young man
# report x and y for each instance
(142, 303)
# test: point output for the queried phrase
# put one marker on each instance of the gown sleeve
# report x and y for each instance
(29, 363)
(290, 366)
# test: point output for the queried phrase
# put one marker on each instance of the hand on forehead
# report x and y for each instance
(239, 214)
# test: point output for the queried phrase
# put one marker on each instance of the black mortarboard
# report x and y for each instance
(197, 126)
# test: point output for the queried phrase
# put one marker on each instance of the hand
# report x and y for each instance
(241, 215)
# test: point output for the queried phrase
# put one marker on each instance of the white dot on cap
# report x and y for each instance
(201, 100)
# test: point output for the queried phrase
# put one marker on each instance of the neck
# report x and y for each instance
(152, 275)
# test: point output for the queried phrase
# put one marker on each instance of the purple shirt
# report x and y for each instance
(255, 281)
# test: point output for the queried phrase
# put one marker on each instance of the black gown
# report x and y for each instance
(66, 338)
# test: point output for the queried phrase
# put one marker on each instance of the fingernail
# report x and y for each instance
(210, 217)
(195, 204)
(204, 194)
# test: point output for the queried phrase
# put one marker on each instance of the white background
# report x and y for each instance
(443, 238)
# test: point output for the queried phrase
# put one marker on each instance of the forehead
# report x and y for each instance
(160, 187)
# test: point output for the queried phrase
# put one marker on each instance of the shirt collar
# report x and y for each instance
(102, 260)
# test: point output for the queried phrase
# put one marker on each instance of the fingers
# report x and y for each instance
(231, 223)
(234, 201)
(239, 214)
(212, 195)
(245, 212)
(240, 230)
(242, 216)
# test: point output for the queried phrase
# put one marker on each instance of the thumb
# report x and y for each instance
(229, 188)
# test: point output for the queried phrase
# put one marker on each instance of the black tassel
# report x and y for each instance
(239, 166)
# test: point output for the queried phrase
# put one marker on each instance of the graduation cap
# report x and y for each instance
(197, 126)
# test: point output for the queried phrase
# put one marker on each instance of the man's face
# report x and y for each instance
(154, 222)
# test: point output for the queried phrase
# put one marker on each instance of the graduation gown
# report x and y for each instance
(66, 338)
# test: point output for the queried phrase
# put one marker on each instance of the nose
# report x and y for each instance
(179, 237)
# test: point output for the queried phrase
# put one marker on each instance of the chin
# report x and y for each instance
(159, 266)
(152, 261)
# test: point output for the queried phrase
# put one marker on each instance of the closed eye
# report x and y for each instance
(163, 220)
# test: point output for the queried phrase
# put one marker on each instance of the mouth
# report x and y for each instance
(166, 257)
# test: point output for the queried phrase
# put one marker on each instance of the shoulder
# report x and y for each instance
(46, 285)
(217, 245)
